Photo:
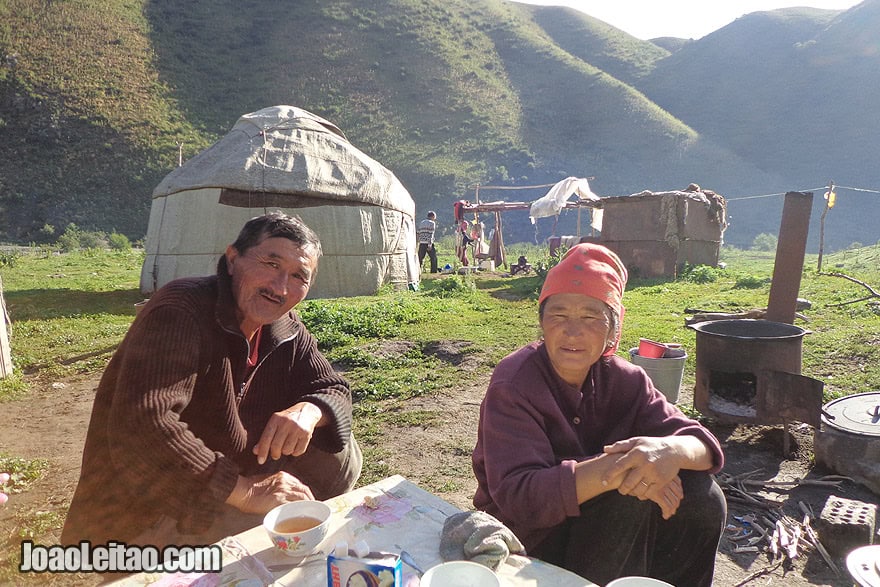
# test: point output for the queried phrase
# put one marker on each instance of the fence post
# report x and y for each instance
(5, 353)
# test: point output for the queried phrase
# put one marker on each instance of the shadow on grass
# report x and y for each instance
(48, 304)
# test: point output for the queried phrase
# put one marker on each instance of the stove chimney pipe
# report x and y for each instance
(790, 250)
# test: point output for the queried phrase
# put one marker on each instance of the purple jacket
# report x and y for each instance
(534, 428)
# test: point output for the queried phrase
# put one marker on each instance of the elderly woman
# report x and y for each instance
(581, 456)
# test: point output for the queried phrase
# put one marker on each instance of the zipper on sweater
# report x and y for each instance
(243, 388)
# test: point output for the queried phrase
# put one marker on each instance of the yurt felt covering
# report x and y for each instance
(285, 158)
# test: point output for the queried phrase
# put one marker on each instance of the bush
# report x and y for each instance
(69, 240)
(8, 259)
(47, 233)
(750, 282)
(450, 287)
(548, 263)
(119, 242)
(336, 324)
(92, 240)
(765, 242)
(700, 274)
(75, 239)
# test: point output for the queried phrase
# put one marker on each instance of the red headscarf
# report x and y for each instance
(591, 270)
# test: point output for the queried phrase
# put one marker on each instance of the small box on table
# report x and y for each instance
(381, 570)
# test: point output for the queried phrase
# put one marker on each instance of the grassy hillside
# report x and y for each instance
(788, 89)
(591, 40)
(99, 98)
(86, 126)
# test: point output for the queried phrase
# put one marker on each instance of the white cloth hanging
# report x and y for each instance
(554, 201)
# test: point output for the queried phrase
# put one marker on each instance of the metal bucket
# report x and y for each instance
(665, 372)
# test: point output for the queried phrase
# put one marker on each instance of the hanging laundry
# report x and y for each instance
(554, 201)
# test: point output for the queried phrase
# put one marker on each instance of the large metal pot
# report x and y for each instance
(749, 370)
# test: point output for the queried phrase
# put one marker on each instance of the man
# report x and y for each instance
(426, 240)
(217, 405)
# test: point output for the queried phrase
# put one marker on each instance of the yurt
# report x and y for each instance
(285, 158)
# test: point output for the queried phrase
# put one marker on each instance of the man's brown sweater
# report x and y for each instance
(178, 412)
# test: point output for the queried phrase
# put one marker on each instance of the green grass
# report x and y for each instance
(70, 310)
(22, 472)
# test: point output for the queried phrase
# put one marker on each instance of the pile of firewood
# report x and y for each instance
(771, 531)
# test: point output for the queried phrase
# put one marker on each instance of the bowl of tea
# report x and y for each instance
(298, 527)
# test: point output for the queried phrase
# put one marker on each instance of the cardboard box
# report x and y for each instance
(374, 570)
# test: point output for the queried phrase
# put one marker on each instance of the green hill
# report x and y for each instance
(99, 99)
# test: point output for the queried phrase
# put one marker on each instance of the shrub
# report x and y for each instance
(75, 239)
(118, 242)
(92, 240)
(9, 258)
(750, 282)
(548, 263)
(765, 242)
(338, 323)
(69, 240)
(700, 274)
(450, 287)
(47, 233)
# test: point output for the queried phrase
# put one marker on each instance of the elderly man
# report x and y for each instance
(217, 406)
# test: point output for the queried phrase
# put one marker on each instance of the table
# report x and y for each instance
(393, 514)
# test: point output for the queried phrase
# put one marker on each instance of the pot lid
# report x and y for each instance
(858, 413)
(863, 564)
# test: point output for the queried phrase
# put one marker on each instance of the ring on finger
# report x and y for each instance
(645, 484)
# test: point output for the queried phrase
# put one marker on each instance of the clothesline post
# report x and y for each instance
(5, 353)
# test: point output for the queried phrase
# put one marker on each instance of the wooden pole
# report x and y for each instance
(5, 352)
(829, 201)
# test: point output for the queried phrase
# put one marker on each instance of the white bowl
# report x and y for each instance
(299, 539)
(638, 582)
(460, 574)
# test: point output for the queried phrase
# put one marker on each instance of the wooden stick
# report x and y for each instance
(824, 553)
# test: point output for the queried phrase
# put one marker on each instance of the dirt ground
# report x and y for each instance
(51, 424)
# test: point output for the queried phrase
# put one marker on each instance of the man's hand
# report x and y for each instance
(288, 432)
(261, 493)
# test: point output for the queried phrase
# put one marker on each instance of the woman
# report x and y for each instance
(582, 457)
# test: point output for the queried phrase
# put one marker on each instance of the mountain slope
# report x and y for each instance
(99, 99)
(793, 91)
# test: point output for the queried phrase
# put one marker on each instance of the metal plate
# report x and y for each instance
(858, 413)
(863, 565)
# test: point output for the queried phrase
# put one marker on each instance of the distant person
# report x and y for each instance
(580, 455)
(217, 405)
(522, 265)
(427, 227)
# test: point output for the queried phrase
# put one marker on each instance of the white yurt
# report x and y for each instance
(285, 158)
